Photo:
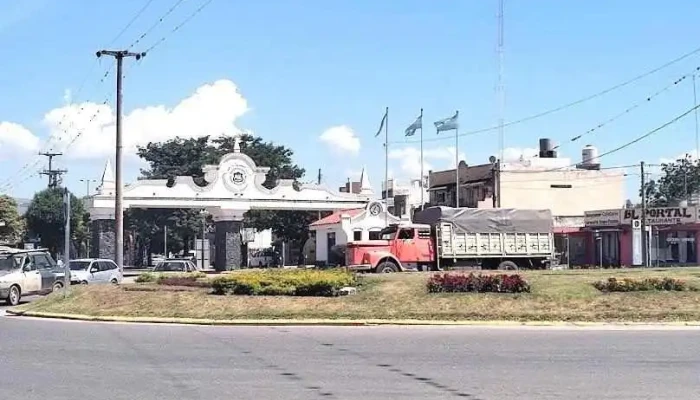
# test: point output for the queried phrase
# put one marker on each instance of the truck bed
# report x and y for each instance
(453, 243)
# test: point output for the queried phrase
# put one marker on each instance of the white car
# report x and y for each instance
(91, 270)
(27, 272)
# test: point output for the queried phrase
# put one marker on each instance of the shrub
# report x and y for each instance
(190, 281)
(146, 277)
(481, 283)
(284, 283)
(641, 285)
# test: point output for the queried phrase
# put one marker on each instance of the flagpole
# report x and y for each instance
(457, 164)
(386, 167)
(422, 202)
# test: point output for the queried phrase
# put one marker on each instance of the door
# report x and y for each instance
(46, 270)
(31, 277)
(405, 246)
(105, 272)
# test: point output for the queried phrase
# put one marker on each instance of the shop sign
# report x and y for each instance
(662, 216)
(680, 240)
(601, 218)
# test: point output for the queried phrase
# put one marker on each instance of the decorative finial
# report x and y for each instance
(237, 144)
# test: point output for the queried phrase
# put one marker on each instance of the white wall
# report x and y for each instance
(590, 190)
(263, 240)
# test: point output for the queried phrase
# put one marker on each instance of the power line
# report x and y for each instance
(131, 22)
(155, 25)
(180, 25)
(624, 146)
(571, 104)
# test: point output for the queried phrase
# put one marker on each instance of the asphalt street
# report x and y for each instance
(50, 359)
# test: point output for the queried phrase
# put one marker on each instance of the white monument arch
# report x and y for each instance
(231, 188)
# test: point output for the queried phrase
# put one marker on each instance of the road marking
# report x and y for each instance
(2, 313)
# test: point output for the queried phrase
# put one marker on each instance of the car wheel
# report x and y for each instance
(83, 282)
(57, 286)
(114, 282)
(14, 296)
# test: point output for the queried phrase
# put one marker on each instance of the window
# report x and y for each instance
(41, 261)
(375, 235)
(357, 235)
(107, 266)
(424, 233)
(405, 234)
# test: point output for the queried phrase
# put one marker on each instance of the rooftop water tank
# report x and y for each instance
(589, 157)
(547, 148)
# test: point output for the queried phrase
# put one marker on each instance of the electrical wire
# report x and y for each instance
(131, 22)
(179, 26)
(625, 145)
(155, 25)
(567, 105)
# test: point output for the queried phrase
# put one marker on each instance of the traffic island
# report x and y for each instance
(554, 297)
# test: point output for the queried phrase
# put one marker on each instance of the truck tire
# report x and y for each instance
(387, 267)
(508, 266)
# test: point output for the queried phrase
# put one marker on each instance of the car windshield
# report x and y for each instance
(9, 262)
(78, 265)
(389, 233)
(170, 266)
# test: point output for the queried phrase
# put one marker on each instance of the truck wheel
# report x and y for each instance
(387, 267)
(508, 266)
(57, 286)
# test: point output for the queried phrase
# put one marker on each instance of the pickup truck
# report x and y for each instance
(28, 272)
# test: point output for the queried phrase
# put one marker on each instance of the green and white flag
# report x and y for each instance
(381, 125)
(417, 124)
(448, 124)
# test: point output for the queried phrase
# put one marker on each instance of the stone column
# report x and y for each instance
(102, 238)
(227, 239)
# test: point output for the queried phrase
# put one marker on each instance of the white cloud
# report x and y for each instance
(212, 110)
(16, 138)
(341, 140)
(67, 96)
(515, 153)
(433, 159)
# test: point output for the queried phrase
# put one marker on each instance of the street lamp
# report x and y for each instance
(87, 184)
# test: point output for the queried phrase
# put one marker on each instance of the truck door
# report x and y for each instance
(405, 246)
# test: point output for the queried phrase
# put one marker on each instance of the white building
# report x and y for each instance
(404, 196)
(349, 225)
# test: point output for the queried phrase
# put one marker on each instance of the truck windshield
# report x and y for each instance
(389, 233)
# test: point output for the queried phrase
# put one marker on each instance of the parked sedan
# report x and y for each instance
(91, 270)
(27, 272)
(176, 266)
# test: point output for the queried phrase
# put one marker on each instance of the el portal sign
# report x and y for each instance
(662, 216)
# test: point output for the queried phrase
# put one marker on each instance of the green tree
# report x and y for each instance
(678, 181)
(45, 218)
(12, 226)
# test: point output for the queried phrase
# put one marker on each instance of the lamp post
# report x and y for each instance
(203, 213)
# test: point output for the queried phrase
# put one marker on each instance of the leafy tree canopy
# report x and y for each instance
(678, 181)
(45, 218)
(11, 224)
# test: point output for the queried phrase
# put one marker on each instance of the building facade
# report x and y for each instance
(404, 197)
(616, 235)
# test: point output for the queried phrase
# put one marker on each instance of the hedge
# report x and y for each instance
(641, 285)
(284, 283)
(173, 279)
(477, 283)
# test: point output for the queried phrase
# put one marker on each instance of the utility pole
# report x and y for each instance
(165, 241)
(645, 252)
(53, 174)
(119, 55)
(66, 243)
(501, 86)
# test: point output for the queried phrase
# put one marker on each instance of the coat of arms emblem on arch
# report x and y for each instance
(236, 177)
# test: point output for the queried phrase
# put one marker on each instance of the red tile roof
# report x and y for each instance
(335, 217)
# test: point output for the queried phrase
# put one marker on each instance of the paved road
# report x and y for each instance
(67, 360)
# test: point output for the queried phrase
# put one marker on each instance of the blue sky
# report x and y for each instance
(305, 68)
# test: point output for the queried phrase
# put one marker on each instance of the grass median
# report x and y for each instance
(555, 296)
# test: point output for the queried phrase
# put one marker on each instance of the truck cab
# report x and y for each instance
(401, 247)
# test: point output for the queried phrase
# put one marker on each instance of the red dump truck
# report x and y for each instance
(444, 237)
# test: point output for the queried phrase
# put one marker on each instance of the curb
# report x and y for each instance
(348, 322)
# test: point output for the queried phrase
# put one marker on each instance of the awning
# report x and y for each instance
(437, 188)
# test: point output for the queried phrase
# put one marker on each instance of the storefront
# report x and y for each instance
(616, 235)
